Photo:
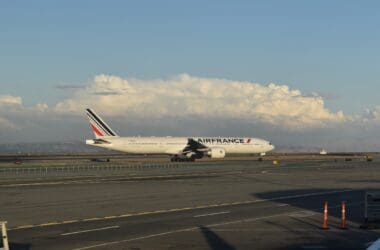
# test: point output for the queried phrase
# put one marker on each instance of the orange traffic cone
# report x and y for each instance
(325, 225)
(343, 224)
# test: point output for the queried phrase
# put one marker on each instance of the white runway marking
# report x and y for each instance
(138, 238)
(314, 247)
(283, 205)
(211, 214)
(111, 180)
(90, 230)
(303, 214)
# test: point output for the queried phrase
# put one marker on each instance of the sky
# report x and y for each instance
(295, 72)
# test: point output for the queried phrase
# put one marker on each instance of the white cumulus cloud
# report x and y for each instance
(14, 115)
(371, 115)
(10, 100)
(5, 124)
(185, 95)
(42, 107)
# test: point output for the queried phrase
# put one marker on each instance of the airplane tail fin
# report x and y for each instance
(98, 126)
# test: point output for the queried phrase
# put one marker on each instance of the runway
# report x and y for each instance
(209, 205)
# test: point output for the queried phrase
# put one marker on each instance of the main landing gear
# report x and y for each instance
(181, 159)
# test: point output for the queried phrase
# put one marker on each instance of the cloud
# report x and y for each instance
(329, 96)
(69, 86)
(8, 103)
(371, 115)
(9, 100)
(189, 96)
(5, 124)
(186, 105)
(14, 115)
(42, 107)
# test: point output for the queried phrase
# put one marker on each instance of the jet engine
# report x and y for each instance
(217, 153)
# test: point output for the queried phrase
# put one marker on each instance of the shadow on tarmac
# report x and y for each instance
(314, 199)
(335, 238)
(215, 241)
(19, 246)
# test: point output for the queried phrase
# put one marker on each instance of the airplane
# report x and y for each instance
(178, 148)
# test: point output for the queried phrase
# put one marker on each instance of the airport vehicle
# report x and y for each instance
(179, 148)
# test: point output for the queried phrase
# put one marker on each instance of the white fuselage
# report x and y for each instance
(175, 145)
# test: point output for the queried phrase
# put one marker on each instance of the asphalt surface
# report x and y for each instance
(209, 205)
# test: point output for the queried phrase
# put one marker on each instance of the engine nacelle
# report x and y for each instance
(217, 153)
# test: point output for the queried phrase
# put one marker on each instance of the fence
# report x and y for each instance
(25, 171)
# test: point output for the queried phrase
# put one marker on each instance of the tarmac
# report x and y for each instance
(224, 204)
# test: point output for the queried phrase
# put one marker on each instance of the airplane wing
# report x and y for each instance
(97, 141)
(194, 146)
(101, 141)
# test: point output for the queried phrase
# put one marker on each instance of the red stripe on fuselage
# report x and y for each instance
(96, 130)
(249, 140)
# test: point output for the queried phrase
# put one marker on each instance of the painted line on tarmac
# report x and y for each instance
(283, 205)
(50, 224)
(112, 180)
(69, 221)
(48, 183)
(110, 217)
(211, 214)
(138, 238)
(314, 247)
(92, 219)
(25, 226)
(90, 230)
